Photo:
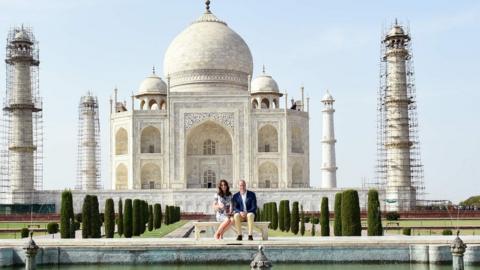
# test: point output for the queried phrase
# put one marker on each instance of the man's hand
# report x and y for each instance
(243, 214)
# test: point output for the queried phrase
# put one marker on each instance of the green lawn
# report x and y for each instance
(19, 225)
(164, 230)
(17, 235)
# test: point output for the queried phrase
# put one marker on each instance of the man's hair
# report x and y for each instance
(241, 180)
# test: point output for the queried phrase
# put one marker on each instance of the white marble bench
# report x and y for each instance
(259, 226)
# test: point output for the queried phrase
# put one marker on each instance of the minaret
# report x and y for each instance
(329, 167)
(88, 171)
(400, 195)
(22, 109)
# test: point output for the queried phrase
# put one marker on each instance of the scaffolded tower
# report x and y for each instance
(21, 133)
(399, 168)
(88, 160)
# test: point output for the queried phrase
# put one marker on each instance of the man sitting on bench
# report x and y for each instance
(244, 209)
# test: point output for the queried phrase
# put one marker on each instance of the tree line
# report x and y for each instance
(133, 218)
(346, 222)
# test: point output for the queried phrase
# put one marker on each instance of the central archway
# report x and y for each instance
(209, 155)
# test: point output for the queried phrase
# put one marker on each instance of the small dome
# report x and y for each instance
(208, 51)
(152, 85)
(327, 97)
(88, 98)
(22, 35)
(396, 30)
(264, 84)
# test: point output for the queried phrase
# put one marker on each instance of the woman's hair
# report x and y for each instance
(220, 190)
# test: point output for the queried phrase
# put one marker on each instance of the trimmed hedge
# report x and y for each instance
(24, 232)
(66, 215)
(337, 224)
(447, 232)
(392, 216)
(287, 215)
(109, 218)
(351, 224)
(52, 228)
(281, 216)
(374, 220)
(96, 221)
(128, 219)
(150, 218)
(274, 216)
(295, 218)
(157, 216)
(86, 217)
(407, 231)
(137, 217)
(167, 215)
(120, 218)
(324, 218)
(302, 221)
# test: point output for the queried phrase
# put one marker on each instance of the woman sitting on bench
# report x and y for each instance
(222, 204)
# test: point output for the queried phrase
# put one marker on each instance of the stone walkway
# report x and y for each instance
(181, 232)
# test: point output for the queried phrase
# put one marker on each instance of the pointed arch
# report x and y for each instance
(265, 104)
(297, 175)
(121, 177)
(297, 140)
(150, 176)
(267, 139)
(208, 148)
(121, 142)
(150, 140)
(268, 175)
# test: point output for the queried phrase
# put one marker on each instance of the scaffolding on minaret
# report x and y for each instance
(88, 155)
(21, 130)
(384, 134)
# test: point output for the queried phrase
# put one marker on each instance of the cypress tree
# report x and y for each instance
(324, 218)
(96, 222)
(179, 213)
(337, 226)
(157, 216)
(281, 216)
(86, 218)
(351, 224)
(269, 214)
(109, 218)
(287, 215)
(128, 219)
(312, 231)
(167, 215)
(275, 216)
(295, 218)
(374, 215)
(257, 214)
(137, 217)
(66, 214)
(302, 221)
(120, 218)
(143, 226)
(150, 218)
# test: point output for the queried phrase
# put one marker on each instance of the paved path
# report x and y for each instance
(353, 241)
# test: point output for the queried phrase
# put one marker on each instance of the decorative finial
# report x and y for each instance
(263, 69)
(153, 70)
(396, 21)
(207, 4)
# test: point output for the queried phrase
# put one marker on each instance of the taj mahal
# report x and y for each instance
(208, 117)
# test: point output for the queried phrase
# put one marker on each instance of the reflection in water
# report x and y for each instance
(246, 267)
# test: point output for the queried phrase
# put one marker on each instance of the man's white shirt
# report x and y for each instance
(244, 199)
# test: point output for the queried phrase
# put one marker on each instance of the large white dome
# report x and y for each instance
(208, 51)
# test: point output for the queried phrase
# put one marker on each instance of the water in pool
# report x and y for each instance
(246, 267)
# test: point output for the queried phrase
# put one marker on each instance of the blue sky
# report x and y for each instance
(97, 45)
